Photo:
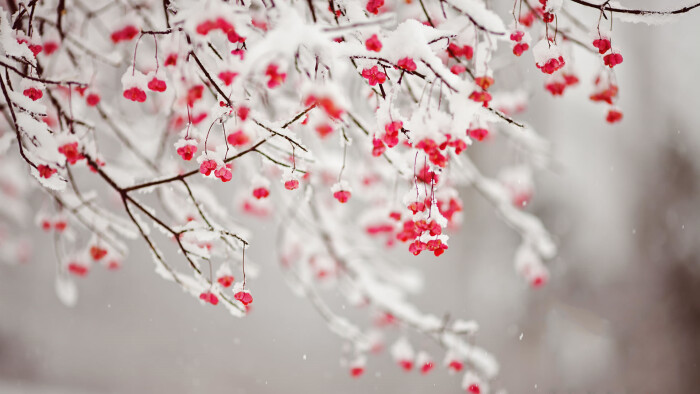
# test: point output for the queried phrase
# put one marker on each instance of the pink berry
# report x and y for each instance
(207, 167)
(187, 152)
(260, 193)
(478, 134)
(238, 138)
(407, 64)
(374, 76)
(373, 44)
(291, 184)
(378, 147)
(224, 174)
(342, 196)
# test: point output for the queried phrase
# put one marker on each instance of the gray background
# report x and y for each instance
(621, 314)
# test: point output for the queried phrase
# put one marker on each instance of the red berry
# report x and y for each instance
(97, 252)
(135, 94)
(374, 5)
(227, 77)
(275, 78)
(243, 112)
(519, 48)
(234, 37)
(407, 64)
(244, 297)
(570, 79)
(207, 167)
(60, 225)
(613, 59)
(33, 93)
(187, 152)
(238, 138)
(71, 152)
(157, 85)
(458, 69)
(171, 60)
(556, 88)
(260, 193)
(480, 97)
(194, 94)
(356, 372)
(92, 99)
(225, 280)
(416, 247)
(324, 130)
(603, 45)
(378, 147)
(484, 82)
(224, 174)
(78, 269)
(373, 44)
(614, 116)
(205, 27)
(374, 76)
(45, 171)
(209, 297)
(465, 51)
(50, 47)
(36, 49)
(126, 34)
(527, 19)
(391, 136)
(455, 365)
(552, 65)
(478, 134)
(291, 184)
(342, 196)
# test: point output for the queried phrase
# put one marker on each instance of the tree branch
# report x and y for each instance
(606, 7)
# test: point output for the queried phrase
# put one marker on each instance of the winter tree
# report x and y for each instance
(171, 125)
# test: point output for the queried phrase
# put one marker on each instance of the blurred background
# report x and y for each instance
(621, 313)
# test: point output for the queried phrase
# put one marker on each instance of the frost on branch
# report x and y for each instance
(352, 124)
